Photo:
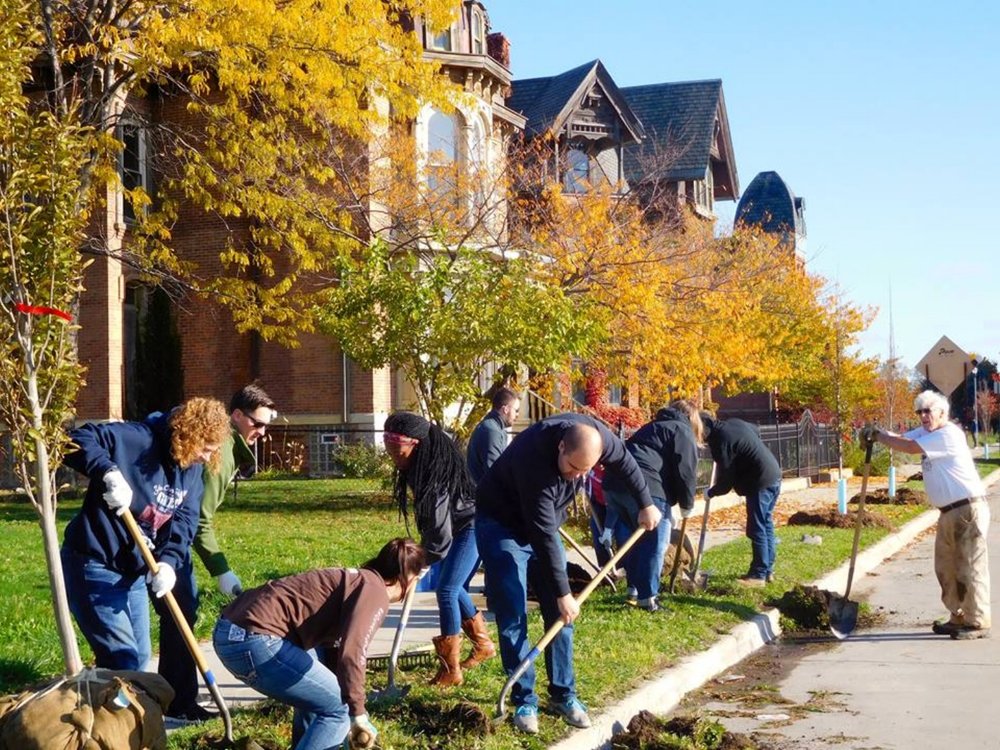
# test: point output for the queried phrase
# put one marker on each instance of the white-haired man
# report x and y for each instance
(961, 558)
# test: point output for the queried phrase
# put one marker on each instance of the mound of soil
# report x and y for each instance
(836, 520)
(904, 496)
(648, 732)
(806, 608)
(443, 727)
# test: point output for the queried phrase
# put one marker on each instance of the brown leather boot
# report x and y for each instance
(482, 646)
(448, 649)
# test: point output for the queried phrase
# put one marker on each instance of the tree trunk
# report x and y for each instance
(50, 538)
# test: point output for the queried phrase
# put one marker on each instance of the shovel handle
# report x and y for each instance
(397, 639)
(678, 548)
(861, 512)
(704, 527)
(558, 625)
(182, 624)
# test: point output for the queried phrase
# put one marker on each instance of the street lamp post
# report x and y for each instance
(975, 410)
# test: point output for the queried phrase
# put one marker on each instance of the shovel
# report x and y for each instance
(843, 613)
(554, 629)
(698, 576)
(678, 550)
(189, 641)
(393, 692)
(579, 550)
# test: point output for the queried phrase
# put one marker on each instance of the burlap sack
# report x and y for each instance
(98, 709)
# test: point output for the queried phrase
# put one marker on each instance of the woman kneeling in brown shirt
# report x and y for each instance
(303, 640)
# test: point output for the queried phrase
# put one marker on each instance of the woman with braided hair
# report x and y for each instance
(430, 466)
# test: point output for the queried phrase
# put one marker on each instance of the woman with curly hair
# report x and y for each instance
(152, 468)
(429, 464)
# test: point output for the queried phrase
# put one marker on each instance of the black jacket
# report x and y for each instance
(667, 452)
(525, 492)
(742, 462)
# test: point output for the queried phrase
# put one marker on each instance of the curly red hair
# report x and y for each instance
(195, 424)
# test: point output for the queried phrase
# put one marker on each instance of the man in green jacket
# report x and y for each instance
(251, 410)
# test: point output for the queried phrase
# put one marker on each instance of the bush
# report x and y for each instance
(854, 458)
(363, 461)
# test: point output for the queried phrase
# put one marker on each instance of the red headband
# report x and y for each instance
(395, 437)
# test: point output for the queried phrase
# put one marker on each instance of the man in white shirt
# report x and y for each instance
(961, 557)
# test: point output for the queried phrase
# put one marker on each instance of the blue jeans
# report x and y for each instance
(644, 562)
(111, 609)
(760, 530)
(506, 562)
(176, 664)
(281, 670)
(457, 569)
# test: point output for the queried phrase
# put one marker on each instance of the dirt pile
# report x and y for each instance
(648, 732)
(904, 496)
(806, 609)
(834, 519)
(455, 727)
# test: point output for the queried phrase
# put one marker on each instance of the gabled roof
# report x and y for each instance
(769, 203)
(679, 121)
(548, 102)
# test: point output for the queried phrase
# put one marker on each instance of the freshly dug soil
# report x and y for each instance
(805, 609)
(648, 732)
(904, 496)
(833, 518)
(444, 729)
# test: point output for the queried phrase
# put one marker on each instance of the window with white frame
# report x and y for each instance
(478, 33)
(132, 164)
(442, 150)
(441, 40)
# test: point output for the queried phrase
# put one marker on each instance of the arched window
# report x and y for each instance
(576, 178)
(442, 150)
(478, 37)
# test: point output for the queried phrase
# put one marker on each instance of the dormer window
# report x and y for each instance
(478, 33)
(576, 178)
(442, 40)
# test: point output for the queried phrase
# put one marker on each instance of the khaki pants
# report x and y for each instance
(962, 565)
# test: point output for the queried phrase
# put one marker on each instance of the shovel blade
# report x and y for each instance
(843, 614)
(391, 694)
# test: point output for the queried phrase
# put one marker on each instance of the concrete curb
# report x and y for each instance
(666, 691)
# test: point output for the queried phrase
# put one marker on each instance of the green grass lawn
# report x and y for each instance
(274, 528)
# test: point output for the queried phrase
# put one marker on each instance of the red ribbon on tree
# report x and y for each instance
(41, 310)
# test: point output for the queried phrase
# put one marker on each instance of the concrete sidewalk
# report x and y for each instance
(423, 623)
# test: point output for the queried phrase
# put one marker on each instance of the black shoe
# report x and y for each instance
(192, 715)
(944, 627)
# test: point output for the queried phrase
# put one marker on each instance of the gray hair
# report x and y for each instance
(932, 400)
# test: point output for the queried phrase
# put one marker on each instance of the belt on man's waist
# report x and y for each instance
(959, 504)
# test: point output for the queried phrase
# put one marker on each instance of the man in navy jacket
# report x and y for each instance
(521, 503)
(152, 468)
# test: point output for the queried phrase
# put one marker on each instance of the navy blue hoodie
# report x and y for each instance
(166, 499)
(742, 462)
(524, 490)
(667, 453)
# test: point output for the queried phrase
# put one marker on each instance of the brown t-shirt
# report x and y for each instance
(337, 609)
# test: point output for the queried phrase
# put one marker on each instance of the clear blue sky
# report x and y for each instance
(883, 115)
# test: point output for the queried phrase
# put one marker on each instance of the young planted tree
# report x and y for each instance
(40, 271)
(442, 316)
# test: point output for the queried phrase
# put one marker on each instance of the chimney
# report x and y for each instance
(498, 47)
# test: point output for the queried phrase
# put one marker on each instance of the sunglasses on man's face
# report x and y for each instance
(921, 412)
(255, 422)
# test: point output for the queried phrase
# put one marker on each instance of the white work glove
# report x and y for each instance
(360, 726)
(686, 512)
(229, 583)
(163, 581)
(118, 495)
(605, 537)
